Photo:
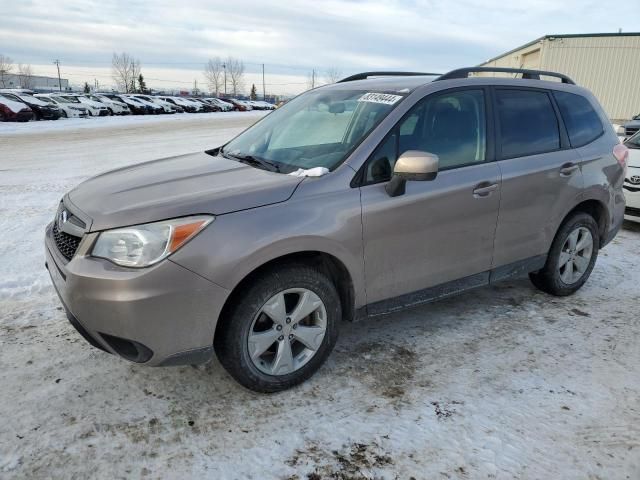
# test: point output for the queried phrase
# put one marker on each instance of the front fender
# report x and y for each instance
(236, 244)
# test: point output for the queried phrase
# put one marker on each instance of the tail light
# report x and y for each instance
(621, 152)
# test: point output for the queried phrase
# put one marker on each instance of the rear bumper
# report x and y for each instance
(161, 315)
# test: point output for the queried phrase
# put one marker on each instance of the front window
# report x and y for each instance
(317, 129)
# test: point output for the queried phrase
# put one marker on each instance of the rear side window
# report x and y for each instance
(528, 123)
(582, 122)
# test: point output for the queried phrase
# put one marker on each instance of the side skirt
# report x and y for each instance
(449, 289)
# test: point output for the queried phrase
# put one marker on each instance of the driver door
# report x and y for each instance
(440, 233)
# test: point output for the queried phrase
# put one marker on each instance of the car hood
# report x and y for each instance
(632, 123)
(634, 158)
(190, 184)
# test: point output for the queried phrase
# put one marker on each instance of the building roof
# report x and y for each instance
(563, 35)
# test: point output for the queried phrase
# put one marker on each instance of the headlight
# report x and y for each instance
(145, 245)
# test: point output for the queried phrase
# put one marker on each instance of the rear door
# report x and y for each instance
(439, 230)
(541, 175)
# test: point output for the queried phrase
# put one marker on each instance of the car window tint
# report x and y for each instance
(582, 122)
(528, 123)
(380, 166)
(451, 126)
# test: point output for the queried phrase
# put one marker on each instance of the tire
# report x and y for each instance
(556, 279)
(246, 314)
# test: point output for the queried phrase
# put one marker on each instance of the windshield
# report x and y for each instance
(71, 99)
(30, 99)
(61, 99)
(633, 141)
(317, 129)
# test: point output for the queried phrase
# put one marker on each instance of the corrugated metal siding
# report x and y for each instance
(608, 66)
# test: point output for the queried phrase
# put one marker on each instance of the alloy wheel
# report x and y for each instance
(287, 331)
(575, 255)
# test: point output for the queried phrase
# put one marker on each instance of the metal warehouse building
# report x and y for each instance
(608, 64)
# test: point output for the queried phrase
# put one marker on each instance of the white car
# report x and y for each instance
(96, 109)
(115, 107)
(166, 106)
(69, 109)
(631, 184)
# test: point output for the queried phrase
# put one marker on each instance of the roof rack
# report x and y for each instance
(365, 75)
(526, 74)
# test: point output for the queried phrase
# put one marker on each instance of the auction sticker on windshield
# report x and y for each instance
(385, 98)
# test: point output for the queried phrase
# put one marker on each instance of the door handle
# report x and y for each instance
(567, 169)
(484, 189)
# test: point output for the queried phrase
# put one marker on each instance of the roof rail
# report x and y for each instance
(526, 74)
(365, 75)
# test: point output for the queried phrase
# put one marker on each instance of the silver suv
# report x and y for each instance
(354, 199)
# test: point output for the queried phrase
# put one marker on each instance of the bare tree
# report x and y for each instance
(125, 71)
(214, 73)
(235, 67)
(6, 67)
(25, 76)
(332, 75)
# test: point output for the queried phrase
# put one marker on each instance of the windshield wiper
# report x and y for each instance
(251, 160)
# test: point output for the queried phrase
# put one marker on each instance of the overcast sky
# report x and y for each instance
(174, 39)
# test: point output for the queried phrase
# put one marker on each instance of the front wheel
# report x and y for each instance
(571, 258)
(281, 330)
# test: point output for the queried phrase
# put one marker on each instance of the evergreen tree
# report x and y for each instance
(87, 88)
(142, 86)
(253, 95)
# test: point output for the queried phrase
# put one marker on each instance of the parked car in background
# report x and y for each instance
(633, 126)
(632, 181)
(69, 110)
(260, 105)
(206, 106)
(256, 250)
(95, 109)
(12, 110)
(237, 105)
(41, 110)
(190, 107)
(166, 106)
(155, 107)
(224, 106)
(136, 107)
(114, 107)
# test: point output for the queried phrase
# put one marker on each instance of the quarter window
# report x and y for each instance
(528, 123)
(582, 122)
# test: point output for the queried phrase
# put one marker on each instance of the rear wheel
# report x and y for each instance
(281, 330)
(571, 258)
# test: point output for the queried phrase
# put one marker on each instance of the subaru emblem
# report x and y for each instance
(635, 179)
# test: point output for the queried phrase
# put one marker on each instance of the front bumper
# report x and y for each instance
(632, 195)
(161, 315)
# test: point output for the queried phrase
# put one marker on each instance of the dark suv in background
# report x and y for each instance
(354, 199)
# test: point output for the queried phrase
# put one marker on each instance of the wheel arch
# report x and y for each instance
(597, 210)
(325, 262)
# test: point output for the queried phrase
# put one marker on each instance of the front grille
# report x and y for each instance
(630, 130)
(67, 244)
(634, 212)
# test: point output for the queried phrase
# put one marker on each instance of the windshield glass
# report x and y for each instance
(61, 99)
(72, 99)
(316, 129)
(633, 141)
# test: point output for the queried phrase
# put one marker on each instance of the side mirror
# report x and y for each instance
(412, 165)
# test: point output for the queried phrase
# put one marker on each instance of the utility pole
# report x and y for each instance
(264, 94)
(224, 67)
(313, 78)
(57, 62)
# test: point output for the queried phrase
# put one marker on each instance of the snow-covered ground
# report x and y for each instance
(504, 382)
